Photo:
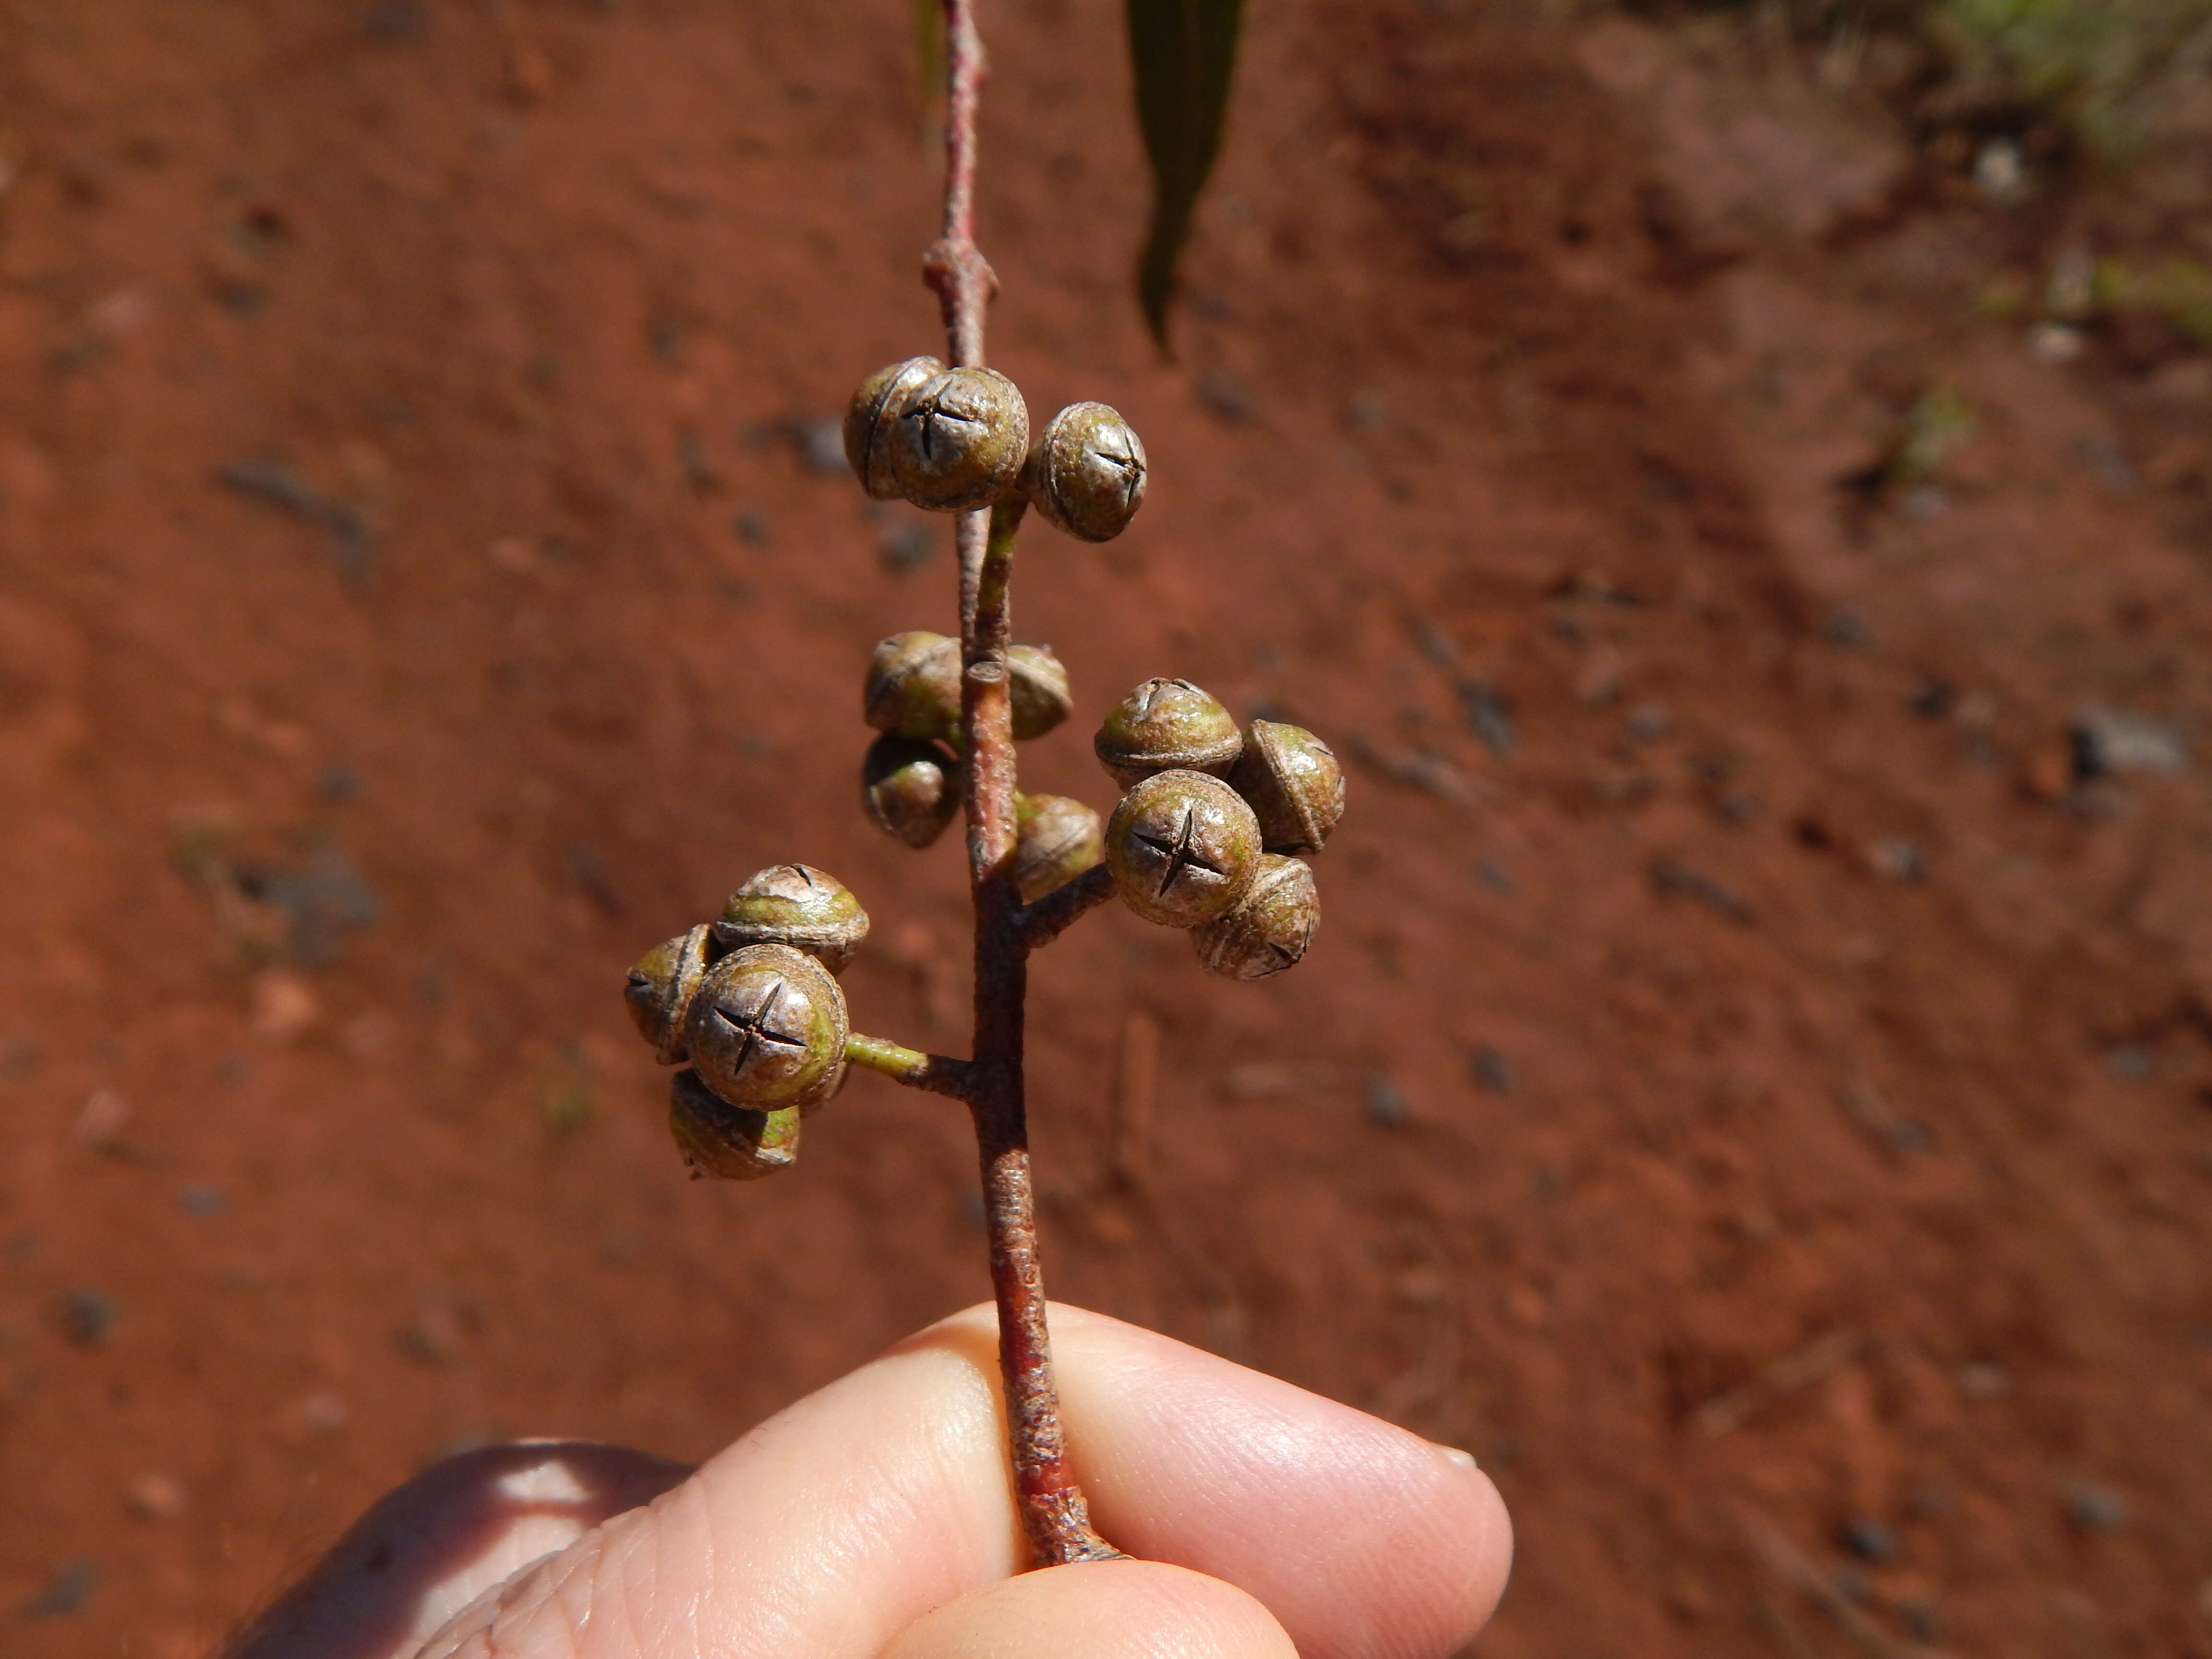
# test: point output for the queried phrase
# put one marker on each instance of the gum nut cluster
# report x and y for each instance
(953, 439)
(1202, 837)
(751, 1002)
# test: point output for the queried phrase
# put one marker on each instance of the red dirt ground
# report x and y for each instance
(412, 605)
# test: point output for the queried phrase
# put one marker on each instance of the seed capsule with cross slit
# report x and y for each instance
(1086, 471)
(912, 687)
(871, 422)
(767, 1028)
(1167, 725)
(736, 1143)
(911, 789)
(960, 440)
(1183, 846)
(660, 988)
(1294, 783)
(1267, 929)
(798, 905)
(1038, 688)
(1056, 840)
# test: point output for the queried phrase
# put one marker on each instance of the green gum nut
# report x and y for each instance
(912, 686)
(767, 1030)
(871, 422)
(1269, 926)
(660, 989)
(960, 440)
(912, 790)
(1056, 840)
(1182, 847)
(1167, 725)
(1086, 471)
(1038, 691)
(731, 1143)
(797, 905)
(1295, 784)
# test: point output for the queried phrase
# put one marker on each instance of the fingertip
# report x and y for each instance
(1099, 1610)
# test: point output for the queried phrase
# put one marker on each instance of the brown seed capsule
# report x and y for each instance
(798, 905)
(660, 988)
(1294, 783)
(1183, 846)
(1164, 725)
(960, 440)
(1056, 840)
(1039, 689)
(1085, 472)
(912, 790)
(913, 688)
(872, 421)
(736, 1143)
(1267, 929)
(767, 1028)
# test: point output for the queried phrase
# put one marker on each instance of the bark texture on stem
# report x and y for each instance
(1055, 1517)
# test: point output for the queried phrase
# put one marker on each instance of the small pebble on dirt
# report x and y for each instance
(1493, 1070)
(820, 440)
(155, 1496)
(1224, 395)
(88, 1316)
(903, 547)
(1846, 627)
(197, 1198)
(1386, 1103)
(749, 525)
(1488, 716)
(2095, 1509)
(67, 1590)
(1493, 876)
(1979, 1380)
(2128, 1061)
(1869, 1539)
(2110, 740)
(1933, 699)
(1919, 1620)
(1648, 721)
(1898, 858)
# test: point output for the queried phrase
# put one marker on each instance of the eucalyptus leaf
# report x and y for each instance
(1183, 52)
(929, 65)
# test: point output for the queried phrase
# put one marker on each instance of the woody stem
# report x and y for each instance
(1054, 1517)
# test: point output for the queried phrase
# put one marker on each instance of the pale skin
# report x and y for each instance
(872, 1519)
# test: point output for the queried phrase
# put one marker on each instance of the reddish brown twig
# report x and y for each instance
(1054, 1517)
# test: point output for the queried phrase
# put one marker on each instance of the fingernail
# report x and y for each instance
(1454, 1455)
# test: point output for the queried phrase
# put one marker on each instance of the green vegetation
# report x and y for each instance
(2105, 70)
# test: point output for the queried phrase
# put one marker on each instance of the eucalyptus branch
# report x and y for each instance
(750, 1004)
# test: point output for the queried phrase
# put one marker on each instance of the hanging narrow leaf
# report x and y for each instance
(929, 67)
(1184, 51)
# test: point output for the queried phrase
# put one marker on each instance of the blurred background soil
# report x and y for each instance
(1739, 497)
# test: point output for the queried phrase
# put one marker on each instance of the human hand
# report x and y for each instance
(875, 1518)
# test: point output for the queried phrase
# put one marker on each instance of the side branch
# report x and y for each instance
(1041, 923)
(939, 1073)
